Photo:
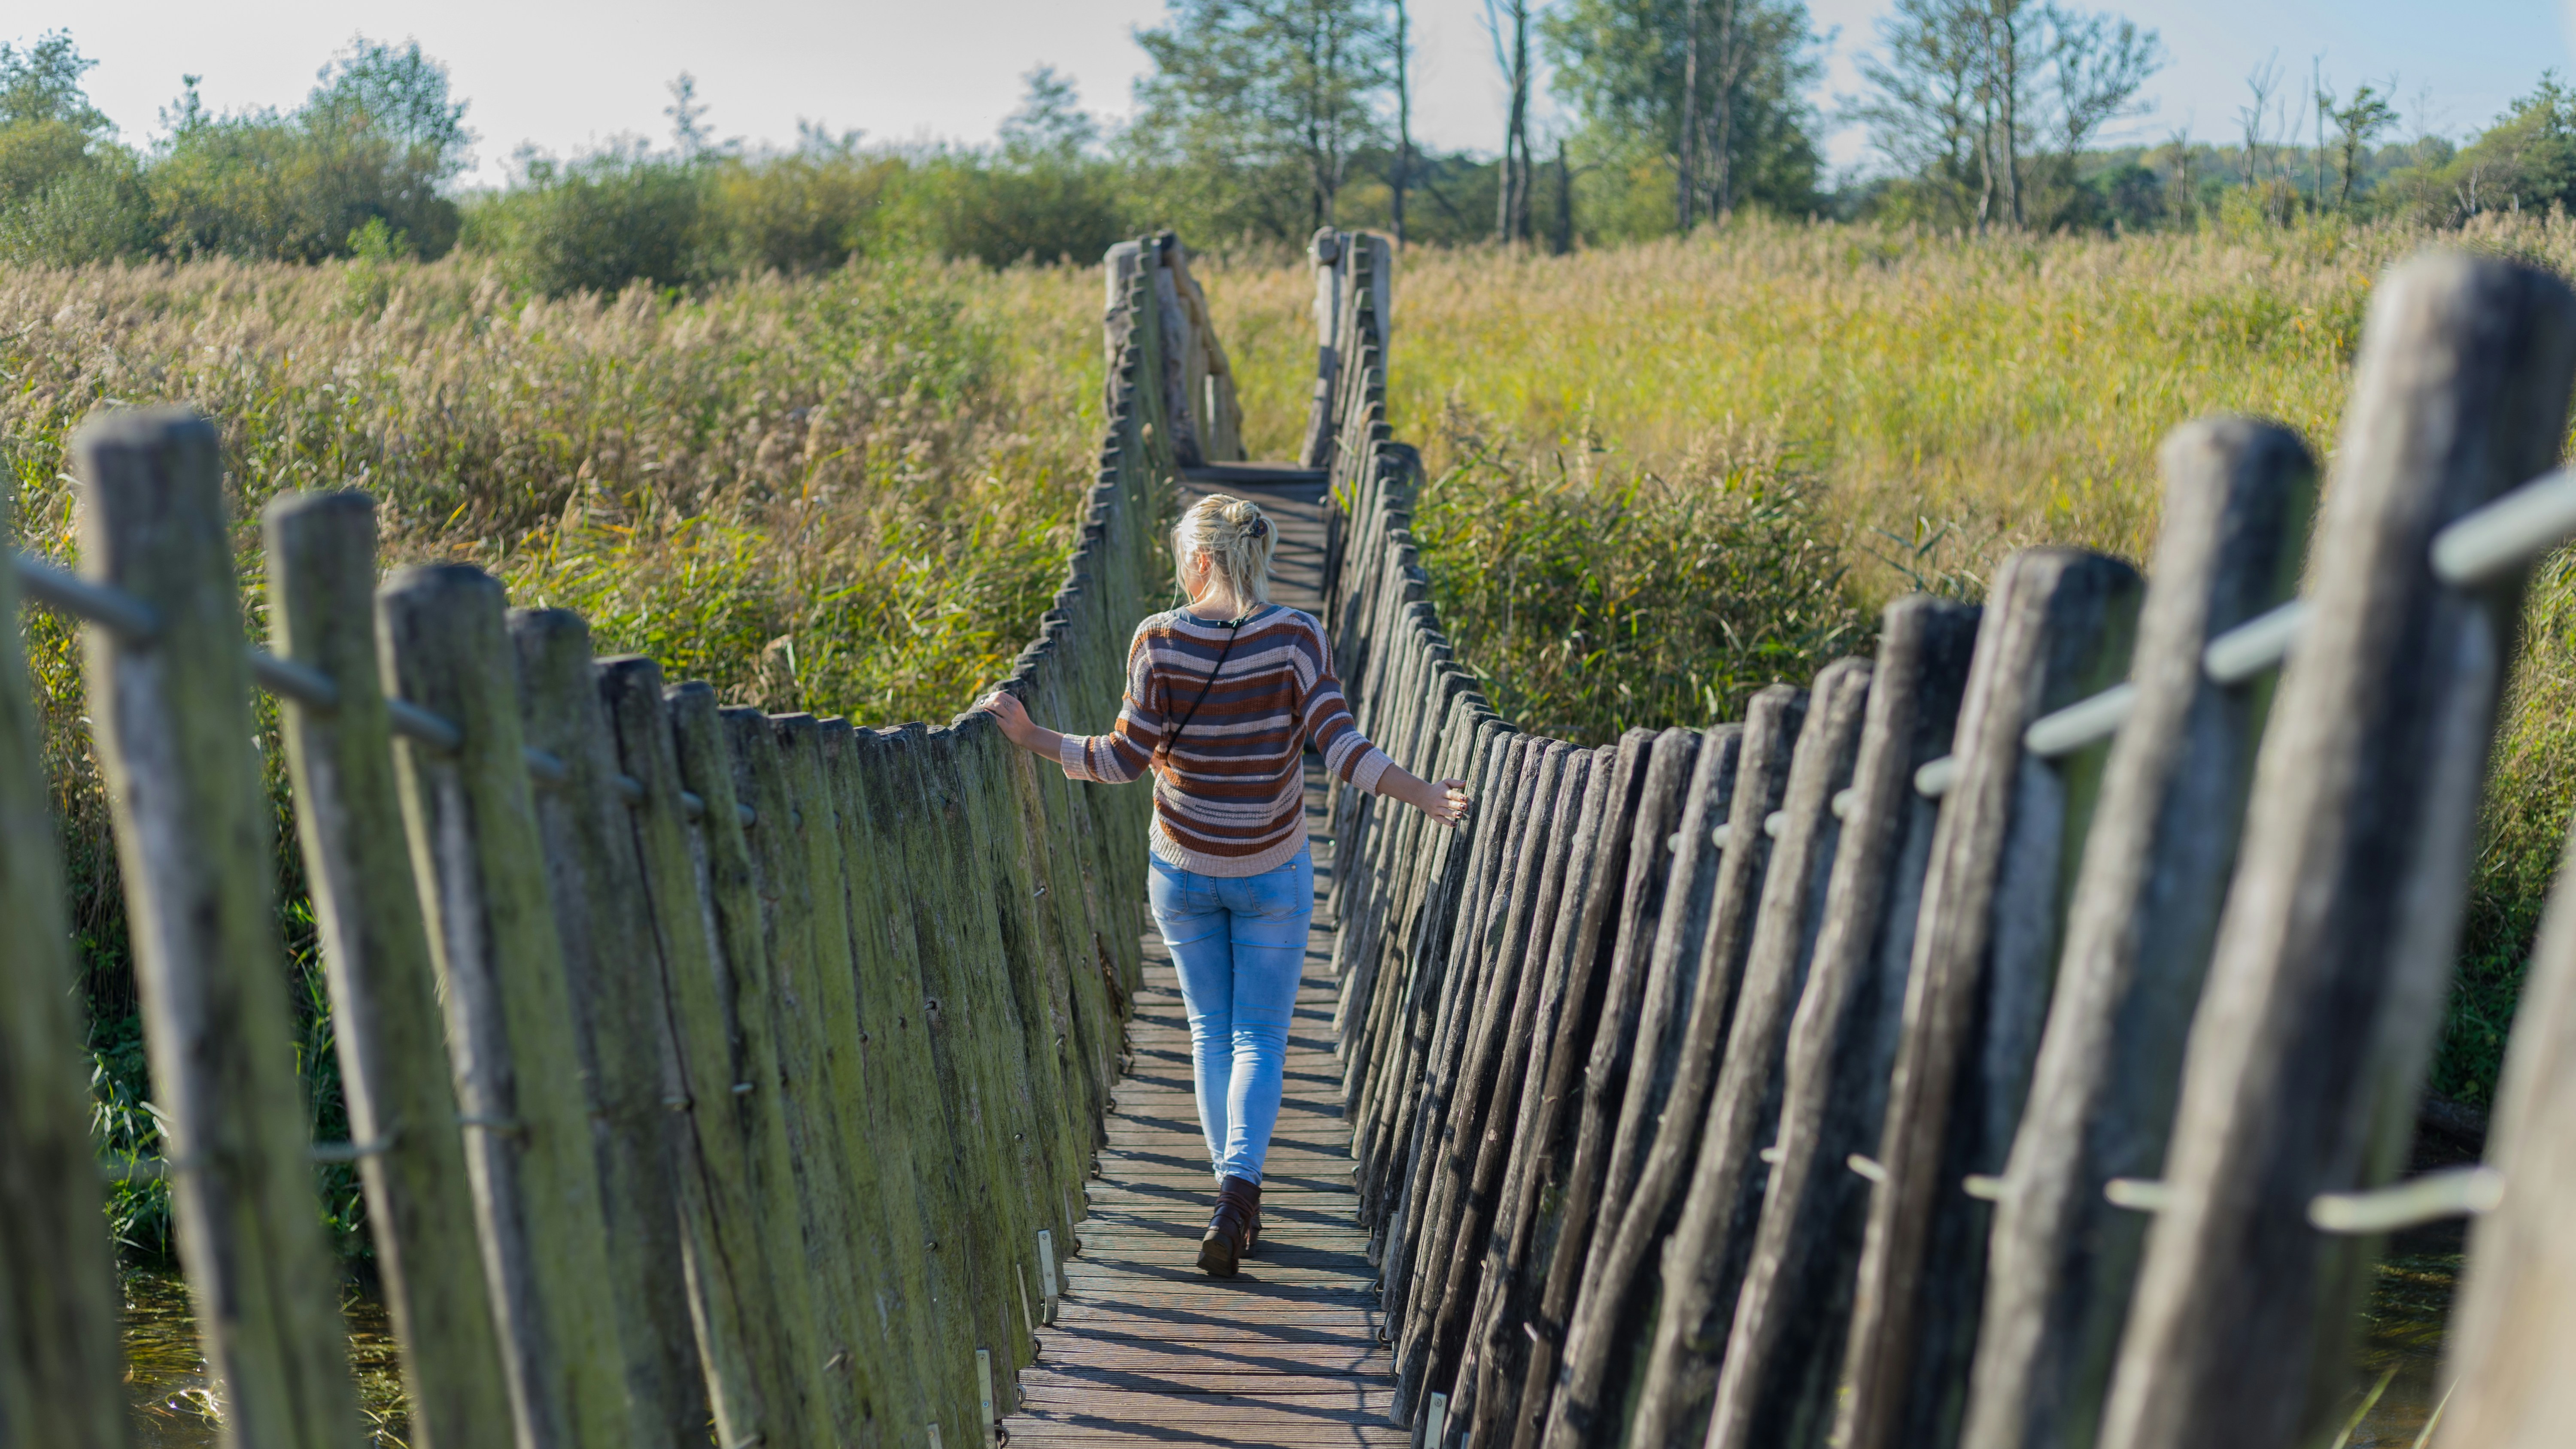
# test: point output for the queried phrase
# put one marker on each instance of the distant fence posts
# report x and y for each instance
(1877, 1079)
(703, 1065)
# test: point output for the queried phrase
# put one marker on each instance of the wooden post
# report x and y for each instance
(172, 727)
(2516, 1314)
(621, 1021)
(1778, 1379)
(1690, 995)
(1702, 1263)
(749, 998)
(1453, 1223)
(61, 1372)
(2239, 497)
(394, 1068)
(741, 1331)
(1639, 907)
(1466, 1288)
(1490, 1373)
(1985, 949)
(479, 865)
(831, 1234)
(2325, 988)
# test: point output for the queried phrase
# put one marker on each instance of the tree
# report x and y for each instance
(1259, 105)
(42, 83)
(1050, 124)
(1715, 87)
(2006, 91)
(2357, 122)
(376, 142)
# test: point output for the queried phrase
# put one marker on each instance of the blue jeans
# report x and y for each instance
(1240, 945)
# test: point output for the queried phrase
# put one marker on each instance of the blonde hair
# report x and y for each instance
(1235, 537)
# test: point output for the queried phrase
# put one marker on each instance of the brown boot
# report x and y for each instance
(1232, 1228)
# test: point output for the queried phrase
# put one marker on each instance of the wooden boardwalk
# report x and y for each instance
(1147, 1349)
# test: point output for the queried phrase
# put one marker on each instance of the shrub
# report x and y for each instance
(1591, 597)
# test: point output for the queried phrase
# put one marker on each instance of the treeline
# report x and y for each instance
(1261, 120)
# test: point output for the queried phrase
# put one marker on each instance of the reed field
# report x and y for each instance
(1660, 476)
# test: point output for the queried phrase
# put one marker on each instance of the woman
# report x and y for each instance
(1223, 697)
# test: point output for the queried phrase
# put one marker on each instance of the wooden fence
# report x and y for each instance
(710, 1072)
(2010, 1040)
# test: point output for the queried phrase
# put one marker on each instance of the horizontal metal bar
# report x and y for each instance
(414, 723)
(1718, 836)
(2255, 645)
(2491, 544)
(545, 766)
(2085, 722)
(747, 815)
(60, 588)
(351, 1151)
(1866, 1166)
(1936, 777)
(629, 788)
(693, 805)
(1844, 799)
(289, 680)
(1774, 823)
(1984, 1187)
(2453, 1192)
(2138, 1194)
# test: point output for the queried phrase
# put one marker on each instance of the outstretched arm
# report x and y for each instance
(1018, 728)
(1445, 801)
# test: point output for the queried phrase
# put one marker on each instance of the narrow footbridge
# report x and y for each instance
(2013, 1038)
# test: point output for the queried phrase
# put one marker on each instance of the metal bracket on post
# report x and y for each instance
(1046, 1273)
(1435, 1421)
(984, 1395)
(934, 1436)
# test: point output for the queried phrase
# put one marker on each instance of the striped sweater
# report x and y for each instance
(1229, 799)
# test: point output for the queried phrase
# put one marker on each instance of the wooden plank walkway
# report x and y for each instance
(1147, 1349)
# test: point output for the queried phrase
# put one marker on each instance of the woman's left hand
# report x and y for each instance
(1009, 713)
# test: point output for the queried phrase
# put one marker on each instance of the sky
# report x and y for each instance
(567, 76)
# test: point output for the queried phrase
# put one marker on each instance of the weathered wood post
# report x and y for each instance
(61, 1371)
(1702, 1263)
(1537, 998)
(2516, 1317)
(621, 1024)
(1495, 1357)
(834, 1225)
(1608, 1054)
(2012, 831)
(748, 995)
(385, 1018)
(2238, 501)
(1690, 996)
(2325, 987)
(1778, 1378)
(480, 867)
(733, 1299)
(1485, 1093)
(172, 729)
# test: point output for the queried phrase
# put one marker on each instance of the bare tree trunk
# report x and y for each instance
(1686, 175)
(1730, 67)
(1511, 204)
(1564, 238)
(1403, 118)
(2007, 65)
